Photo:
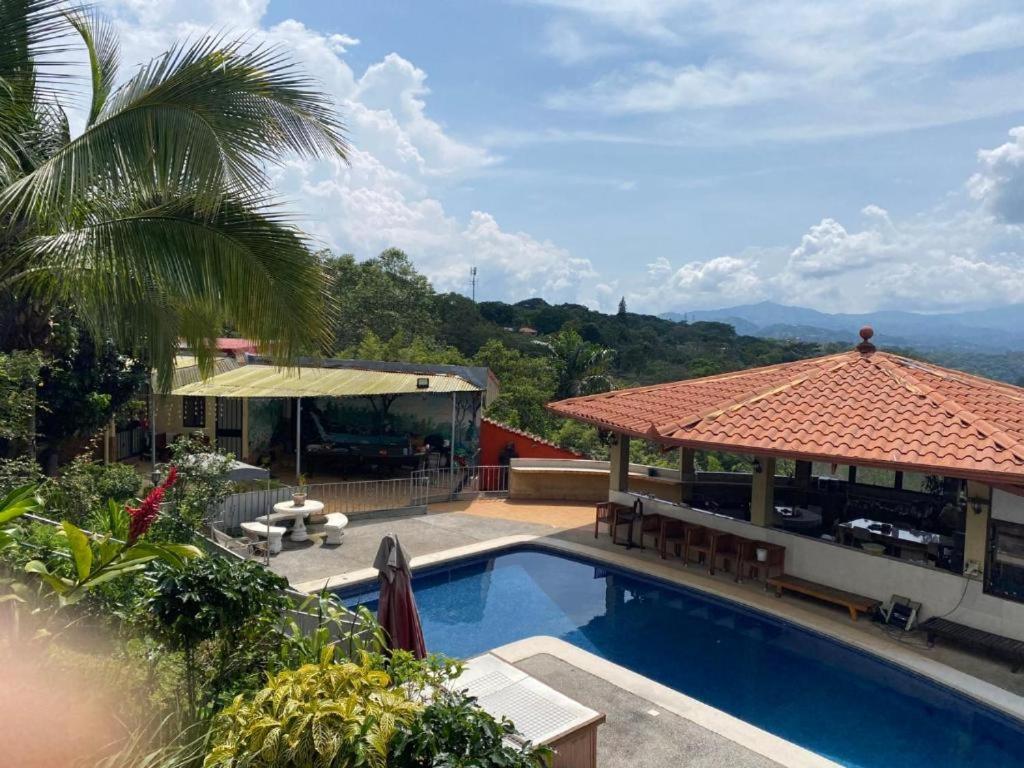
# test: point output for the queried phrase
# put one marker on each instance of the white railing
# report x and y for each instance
(433, 486)
(352, 497)
(416, 491)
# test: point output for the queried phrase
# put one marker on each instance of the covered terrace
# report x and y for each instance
(879, 474)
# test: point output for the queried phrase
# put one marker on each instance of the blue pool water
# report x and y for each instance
(849, 706)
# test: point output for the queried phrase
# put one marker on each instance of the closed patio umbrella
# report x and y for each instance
(396, 606)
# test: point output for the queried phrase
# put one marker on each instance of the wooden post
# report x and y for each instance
(618, 476)
(762, 496)
(687, 474)
(979, 505)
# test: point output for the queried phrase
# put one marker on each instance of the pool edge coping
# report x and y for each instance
(975, 688)
(734, 729)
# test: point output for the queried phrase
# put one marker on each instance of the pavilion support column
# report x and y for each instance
(618, 476)
(802, 480)
(979, 505)
(687, 474)
(762, 496)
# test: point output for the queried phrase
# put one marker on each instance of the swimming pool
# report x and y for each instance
(847, 705)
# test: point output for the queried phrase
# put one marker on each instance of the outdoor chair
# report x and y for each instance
(672, 537)
(650, 525)
(627, 517)
(240, 545)
(699, 545)
(727, 553)
(749, 566)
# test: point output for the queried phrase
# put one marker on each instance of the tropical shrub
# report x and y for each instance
(203, 483)
(223, 615)
(327, 714)
(84, 486)
(17, 472)
(453, 732)
(351, 632)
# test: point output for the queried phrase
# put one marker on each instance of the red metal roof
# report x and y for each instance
(860, 407)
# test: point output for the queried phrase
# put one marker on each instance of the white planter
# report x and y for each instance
(762, 554)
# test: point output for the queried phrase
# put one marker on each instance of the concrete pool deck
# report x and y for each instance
(457, 530)
(638, 732)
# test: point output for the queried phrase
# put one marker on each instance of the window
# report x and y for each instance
(193, 412)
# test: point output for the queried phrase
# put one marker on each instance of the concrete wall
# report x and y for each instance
(875, 576)
(584, 480)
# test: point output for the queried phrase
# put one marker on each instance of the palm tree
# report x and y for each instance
(156, 222)
(581, 366)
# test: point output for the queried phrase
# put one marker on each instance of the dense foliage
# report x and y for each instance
(393, 313)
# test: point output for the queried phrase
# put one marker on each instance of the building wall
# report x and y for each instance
(168, 418)
(584, 480)
(494, 437)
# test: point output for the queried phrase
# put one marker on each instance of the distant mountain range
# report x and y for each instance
(999, 329)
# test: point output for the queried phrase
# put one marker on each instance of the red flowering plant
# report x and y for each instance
(99, 558)
(142, 516)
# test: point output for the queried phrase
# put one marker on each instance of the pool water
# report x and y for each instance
(844, 704)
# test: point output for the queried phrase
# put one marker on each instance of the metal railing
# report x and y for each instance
(416, 491)
(351, 497)
(459, 483)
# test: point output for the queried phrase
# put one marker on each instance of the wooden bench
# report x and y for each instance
(852, 602)
(977, 639)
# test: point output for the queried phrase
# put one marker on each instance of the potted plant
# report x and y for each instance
(299, 494)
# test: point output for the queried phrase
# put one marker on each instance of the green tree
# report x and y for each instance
(622, 307)
(385, 295)
(582, 366)
(157, 221)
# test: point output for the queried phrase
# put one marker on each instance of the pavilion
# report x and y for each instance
(948, 447)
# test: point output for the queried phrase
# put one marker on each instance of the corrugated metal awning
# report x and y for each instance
(271, 381)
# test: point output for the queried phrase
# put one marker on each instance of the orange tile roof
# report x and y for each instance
(860, 407)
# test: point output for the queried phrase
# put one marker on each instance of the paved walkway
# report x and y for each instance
(638, 734)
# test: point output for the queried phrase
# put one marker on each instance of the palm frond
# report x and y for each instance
(203, 120)
(151, 276)
(104, 55)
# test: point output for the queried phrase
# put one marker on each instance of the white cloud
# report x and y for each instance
(341, 43)
(656, 88)
(1000, 182)
(390, 193)
(828, 67)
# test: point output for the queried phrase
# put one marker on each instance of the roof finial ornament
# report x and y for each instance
(866, 347)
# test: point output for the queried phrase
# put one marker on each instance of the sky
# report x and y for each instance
(684, 154)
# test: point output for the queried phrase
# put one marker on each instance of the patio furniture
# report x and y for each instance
(298, 514)
(272, 533)
(334, 528)
(673, 534)
(604, 512)
(749, 566)
(650, 525)
(628, 517)
(702, 544)
(796, 519)
(240, 545)
(854, 603)
(976, 639)
(727, 552)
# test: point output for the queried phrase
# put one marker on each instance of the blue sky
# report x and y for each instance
(685, 154)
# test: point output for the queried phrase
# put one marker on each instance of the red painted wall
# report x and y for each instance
(494, 437)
